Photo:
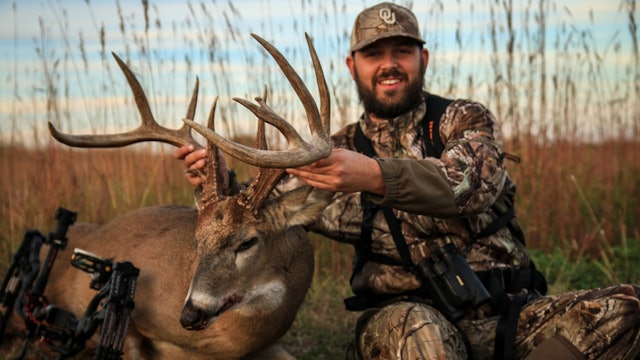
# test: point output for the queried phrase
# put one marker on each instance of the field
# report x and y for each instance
(581, 222)
(578, 189)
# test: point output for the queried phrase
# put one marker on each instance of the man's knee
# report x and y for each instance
(409, 330)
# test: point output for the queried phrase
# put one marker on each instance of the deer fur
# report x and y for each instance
(225, 280)
(160, 241)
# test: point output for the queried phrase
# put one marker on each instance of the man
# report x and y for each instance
(454, 199)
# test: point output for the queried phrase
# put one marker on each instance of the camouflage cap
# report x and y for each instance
(383, 21)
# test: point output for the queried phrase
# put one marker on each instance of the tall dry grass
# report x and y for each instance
(564, 107)
(565, 110)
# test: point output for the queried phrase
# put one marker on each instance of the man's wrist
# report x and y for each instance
(376, 182)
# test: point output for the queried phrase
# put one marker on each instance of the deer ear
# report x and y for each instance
(301, 206)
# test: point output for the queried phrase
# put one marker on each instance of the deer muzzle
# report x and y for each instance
(197, 316)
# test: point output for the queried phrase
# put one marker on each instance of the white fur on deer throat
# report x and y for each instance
(264, 297)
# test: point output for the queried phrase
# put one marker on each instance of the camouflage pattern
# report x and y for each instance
(402, 329)
(602, 323)
(383, 21)
(473, 166)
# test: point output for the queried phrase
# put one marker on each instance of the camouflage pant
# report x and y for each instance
(602, 324)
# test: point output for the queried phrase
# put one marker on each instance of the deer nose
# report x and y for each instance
(194, 317)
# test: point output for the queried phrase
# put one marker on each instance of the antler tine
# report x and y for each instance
(299, 152)
(267, 177)
(149, 130)
(313, 115)
(261, 136)
(265, 113)
(323, 89)
(215, 178)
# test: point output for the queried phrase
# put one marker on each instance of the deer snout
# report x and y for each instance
(197, 315)
(194, 317)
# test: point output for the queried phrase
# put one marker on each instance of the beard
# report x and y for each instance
(386, 107)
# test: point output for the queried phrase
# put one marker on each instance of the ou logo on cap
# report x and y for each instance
(387, 16)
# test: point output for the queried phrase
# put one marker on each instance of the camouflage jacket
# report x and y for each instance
(435, 200)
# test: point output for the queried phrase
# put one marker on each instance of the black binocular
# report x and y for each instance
(451, 283)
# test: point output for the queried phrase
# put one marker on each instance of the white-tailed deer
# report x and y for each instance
(224, 281)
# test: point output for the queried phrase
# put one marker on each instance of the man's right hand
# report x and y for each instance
(193, 160)
(343, 170)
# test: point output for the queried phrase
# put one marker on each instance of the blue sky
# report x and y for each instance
(57, 42)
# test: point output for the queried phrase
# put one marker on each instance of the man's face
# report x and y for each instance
(389, 75)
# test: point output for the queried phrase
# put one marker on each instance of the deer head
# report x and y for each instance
(246, 240)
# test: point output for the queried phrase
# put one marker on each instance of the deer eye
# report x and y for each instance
(247, 244)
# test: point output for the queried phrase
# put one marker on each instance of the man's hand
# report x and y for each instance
(344, 171)
(193, 160)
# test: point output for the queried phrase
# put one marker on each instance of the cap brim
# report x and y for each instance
(385, 35)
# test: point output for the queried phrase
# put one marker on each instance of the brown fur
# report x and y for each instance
(160, 241)
(246, 255)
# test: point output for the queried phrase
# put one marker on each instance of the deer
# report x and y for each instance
(226, 279)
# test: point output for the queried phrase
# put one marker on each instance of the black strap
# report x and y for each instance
(497, 224)
(369, 210)
(362, 143)
(499, 283)
(436, 106)
(398, 238)
(506, 329)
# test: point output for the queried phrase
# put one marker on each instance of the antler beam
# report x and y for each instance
(149, 130)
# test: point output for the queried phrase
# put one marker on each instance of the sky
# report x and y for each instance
(56, 63)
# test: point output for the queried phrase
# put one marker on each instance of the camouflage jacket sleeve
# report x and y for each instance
(465, 180)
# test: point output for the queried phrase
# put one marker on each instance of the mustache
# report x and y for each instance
(394, 72)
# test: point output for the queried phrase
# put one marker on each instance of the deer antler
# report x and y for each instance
(215, 179)
(298, 151)
(149, 130)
